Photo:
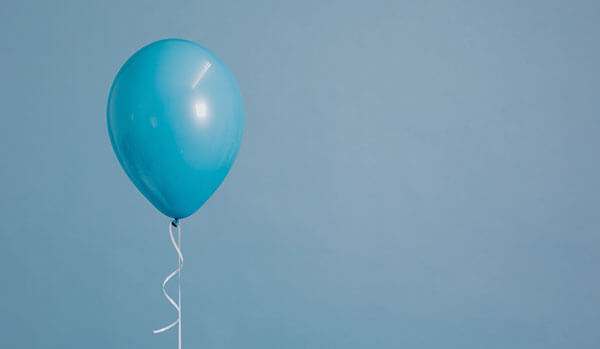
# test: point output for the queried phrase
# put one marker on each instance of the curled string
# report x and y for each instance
(176, 305)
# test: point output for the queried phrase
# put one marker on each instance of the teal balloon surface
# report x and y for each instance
(175, 119)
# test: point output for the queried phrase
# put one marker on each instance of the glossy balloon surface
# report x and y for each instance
(175, 119)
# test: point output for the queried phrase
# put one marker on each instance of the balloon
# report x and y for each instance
(175, 119)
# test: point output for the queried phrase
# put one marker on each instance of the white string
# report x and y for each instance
(180, 260)
(177, 306)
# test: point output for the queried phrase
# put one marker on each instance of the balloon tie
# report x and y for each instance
(175, 223)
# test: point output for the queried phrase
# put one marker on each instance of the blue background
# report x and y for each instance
(417, 174)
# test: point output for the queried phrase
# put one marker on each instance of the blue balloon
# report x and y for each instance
(175, 119)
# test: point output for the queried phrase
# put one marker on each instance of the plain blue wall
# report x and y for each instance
(417, 174)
